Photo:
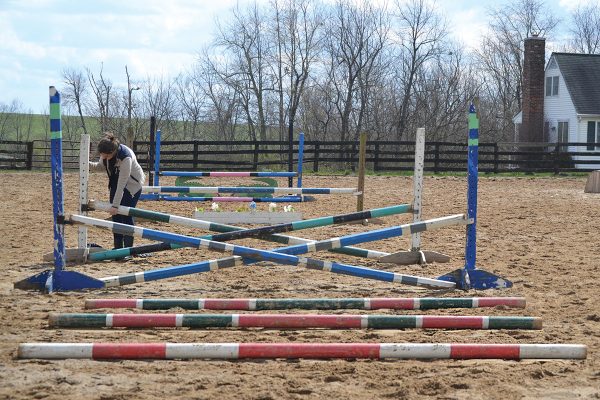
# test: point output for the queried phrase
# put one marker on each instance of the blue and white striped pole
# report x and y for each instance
(256, 254)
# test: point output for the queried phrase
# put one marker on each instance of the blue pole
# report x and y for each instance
(57, 185)
(300, 158)
(157, 159)
(57, 279)
(472, 178)
(470, 277)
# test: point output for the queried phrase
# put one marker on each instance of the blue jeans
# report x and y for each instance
(128, 200)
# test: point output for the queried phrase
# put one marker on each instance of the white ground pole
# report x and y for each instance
(84, 172)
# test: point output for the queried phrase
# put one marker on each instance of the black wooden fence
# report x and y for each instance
(324, 156)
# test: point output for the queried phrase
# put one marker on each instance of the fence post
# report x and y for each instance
(376, 158)
(496, 158)
(255, 158)
(557, 159)
(30, 155)
(351, 158)
(151, 150)
(316, 161)
(362, 160)
(195, 162)
(436, 162)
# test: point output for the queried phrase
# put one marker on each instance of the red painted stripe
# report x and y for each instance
(299, 321)
(309, 350)
(499, 301)
(452, 322)
(144, 320)
(227, 304)
(129, 350)
(466, 351)
(393, 304)
(111, 303)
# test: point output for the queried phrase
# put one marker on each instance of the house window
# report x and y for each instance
(593, 135)
(563, 132)
(552, 86)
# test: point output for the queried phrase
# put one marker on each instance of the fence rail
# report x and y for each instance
(326, 156)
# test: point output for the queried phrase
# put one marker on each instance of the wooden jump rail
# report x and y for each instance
(289, 321)
(416, 303)
(281, 256)
(266, 233)
(247, 189)
(325, 351)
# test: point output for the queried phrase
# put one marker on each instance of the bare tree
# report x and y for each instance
(244, 39)
(355, 36)
(190, 99)
(75, 92)
(159, 101)
(102, 89)
(221, 103)
(420, 37)
(585, 28)
(296, 47)
(510, 25)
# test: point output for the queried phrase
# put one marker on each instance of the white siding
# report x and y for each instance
(559, 108)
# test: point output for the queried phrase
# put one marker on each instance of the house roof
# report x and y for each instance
(581, 73)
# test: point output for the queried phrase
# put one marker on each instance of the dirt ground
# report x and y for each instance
(542, 233)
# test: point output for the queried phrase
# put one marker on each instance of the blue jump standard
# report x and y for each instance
(57, 279)
(469, 276)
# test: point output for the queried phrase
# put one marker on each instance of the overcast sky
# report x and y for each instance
(40, 38)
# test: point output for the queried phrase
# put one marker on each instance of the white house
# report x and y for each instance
(572, 103)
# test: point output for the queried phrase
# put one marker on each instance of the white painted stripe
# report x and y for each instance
(139, 277)
(235, 320)
(55, 350)
(415, 350)
(367, 303)
(416, 303)
(201, 304)
(311, 247)
(364, 321)
(327, 266)
(213, 265)
(109, 320)
(485, 323)
(179, 320)
(202, 350)
(397, 278)
(110, 281)
(435, 282)
(139, 303)
(565, 351)
(418, 321)
(252, 304)
(376, 254)
(335, 243)
(475, 302)
(229, 247)
(138, 231)
(302, 261)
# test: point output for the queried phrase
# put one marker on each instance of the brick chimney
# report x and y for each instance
(532, 105)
